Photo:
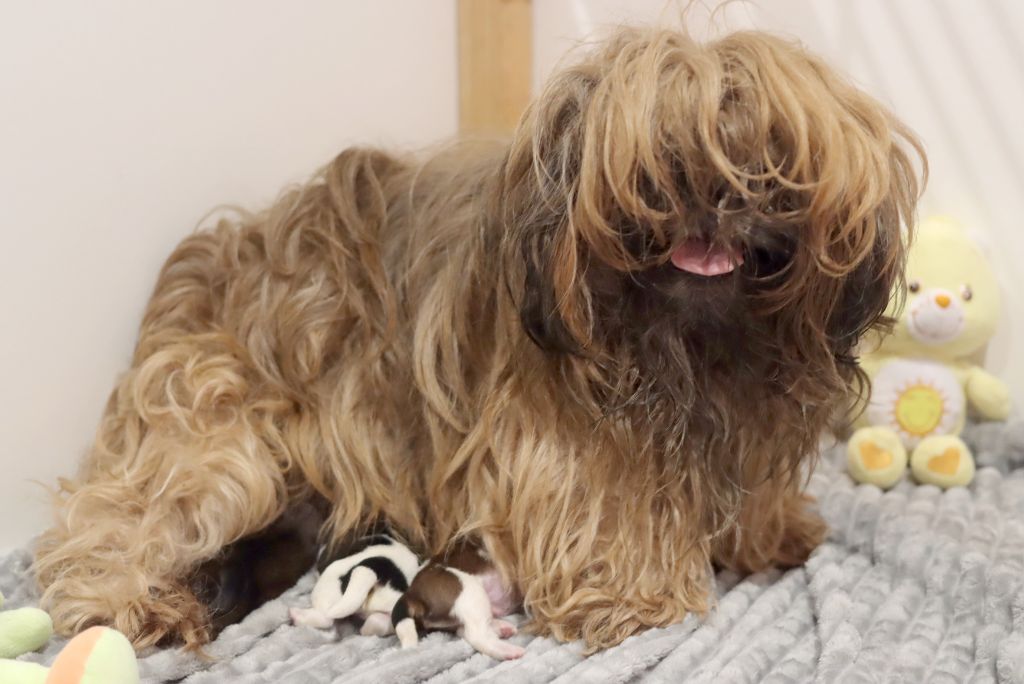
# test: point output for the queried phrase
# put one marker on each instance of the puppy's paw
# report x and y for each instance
(408, 637)
(503, 628)
(377, 624)
(507, 651)
(309, 617)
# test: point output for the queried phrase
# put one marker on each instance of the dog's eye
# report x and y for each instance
(966, 293)
(914, 286)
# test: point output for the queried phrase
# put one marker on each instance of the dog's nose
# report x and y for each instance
(942, 300)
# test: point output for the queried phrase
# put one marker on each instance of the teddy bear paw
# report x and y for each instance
(875, 455)
(943, 461)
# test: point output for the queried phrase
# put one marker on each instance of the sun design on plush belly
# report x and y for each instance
(919, 409)
(916, 399)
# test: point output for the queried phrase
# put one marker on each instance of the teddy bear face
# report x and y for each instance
(935, 315)
(951, 306)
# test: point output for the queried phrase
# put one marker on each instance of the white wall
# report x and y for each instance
(121, 124)
(953, 70)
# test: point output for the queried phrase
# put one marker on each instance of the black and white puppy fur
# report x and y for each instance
(366, 582)
(459, 591)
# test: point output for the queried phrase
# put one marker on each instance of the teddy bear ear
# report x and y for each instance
(947, 227)
(982, 242)
(942, 224)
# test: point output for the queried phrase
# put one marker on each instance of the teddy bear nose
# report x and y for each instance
(942, 300)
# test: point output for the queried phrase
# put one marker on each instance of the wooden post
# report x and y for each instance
(495, 64)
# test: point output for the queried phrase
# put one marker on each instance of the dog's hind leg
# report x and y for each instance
(187, 460)
(473, 609)
(142, 518)
(360, 583)
(258, 346)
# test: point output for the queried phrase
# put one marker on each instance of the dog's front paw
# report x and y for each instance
(609, 616)
(804, 532)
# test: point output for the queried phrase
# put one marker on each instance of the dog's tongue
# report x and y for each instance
(701, 257)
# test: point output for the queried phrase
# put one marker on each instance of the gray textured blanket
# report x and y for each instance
(914, 585)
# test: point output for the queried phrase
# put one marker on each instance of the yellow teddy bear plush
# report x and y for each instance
(922, 378)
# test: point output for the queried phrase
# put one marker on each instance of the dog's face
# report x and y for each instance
(681, 214)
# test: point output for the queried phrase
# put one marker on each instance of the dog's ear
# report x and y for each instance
(546, 245)
(866, 294)
(538, 311)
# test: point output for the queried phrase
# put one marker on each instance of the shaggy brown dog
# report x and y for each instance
(606, 350)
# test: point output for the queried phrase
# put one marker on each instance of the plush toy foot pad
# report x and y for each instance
(943, 461)
(99, 655)
(23, 630)
(876, 456)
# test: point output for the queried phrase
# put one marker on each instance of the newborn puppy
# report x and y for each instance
(367, 582)
(260, 567)
(459, 591)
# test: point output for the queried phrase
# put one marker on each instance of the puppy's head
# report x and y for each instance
(677, 214)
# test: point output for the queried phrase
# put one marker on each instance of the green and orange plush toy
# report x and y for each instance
(99, 655)
(923, 378)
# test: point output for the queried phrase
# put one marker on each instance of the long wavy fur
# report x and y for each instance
(491, 341)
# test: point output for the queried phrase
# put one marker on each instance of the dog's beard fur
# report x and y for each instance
(493, 342)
